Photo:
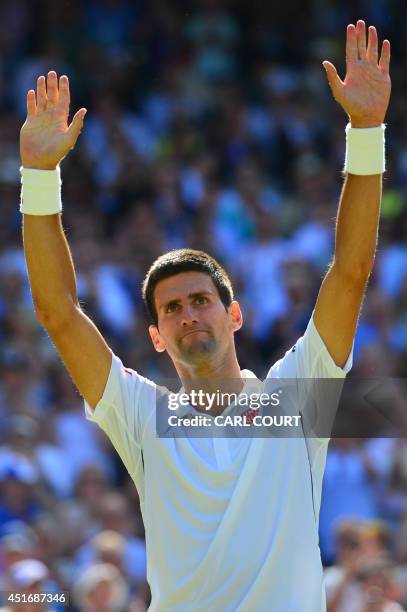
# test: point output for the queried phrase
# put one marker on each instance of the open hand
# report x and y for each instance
(45, 137)
(364, 94)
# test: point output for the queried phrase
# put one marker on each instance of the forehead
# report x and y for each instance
(181, 285)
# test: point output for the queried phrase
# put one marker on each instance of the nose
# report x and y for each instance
(188, 317)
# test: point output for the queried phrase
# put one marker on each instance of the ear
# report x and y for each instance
(159, 344)
(236, 316)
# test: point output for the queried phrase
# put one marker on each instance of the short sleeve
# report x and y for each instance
(120, 412)
(318, 381)
(309, 358)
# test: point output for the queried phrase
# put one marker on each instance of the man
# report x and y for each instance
(230, 524)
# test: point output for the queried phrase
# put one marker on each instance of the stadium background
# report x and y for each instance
(210, 124)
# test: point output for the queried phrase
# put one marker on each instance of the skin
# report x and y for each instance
(364, 93)
(196, 329)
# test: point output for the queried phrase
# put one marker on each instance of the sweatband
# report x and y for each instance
(40, 191)
(365, 152)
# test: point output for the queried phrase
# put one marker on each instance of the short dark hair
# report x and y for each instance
(185, 260)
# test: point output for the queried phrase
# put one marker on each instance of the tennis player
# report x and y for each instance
(231, 523)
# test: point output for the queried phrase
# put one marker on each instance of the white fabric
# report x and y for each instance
(231, 524)
(40, 191)
(365, 154)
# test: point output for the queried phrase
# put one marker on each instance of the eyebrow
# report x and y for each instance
(190, 295)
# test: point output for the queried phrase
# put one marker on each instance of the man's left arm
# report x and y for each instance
(364, 96)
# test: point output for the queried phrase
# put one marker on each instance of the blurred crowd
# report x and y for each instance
(210, 125)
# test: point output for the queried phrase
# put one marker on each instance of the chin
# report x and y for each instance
(199, 351)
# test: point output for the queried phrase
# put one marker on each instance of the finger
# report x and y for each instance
(385, 56)
(334, 81)
(351, 44)
(41, 94)
(361, 38)
(64, 95)
(76, 126)
(372, 53)
(31, 105)
(52, 89)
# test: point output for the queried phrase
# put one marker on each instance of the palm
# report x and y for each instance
(365, 92)
(45, 137)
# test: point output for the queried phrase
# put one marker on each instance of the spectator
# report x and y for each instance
(101, 588)
(26, 578)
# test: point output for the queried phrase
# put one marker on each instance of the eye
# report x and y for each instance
(172, 307)
(201, 300)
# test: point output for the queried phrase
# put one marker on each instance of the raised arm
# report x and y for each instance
(364, 96)
(45, 139)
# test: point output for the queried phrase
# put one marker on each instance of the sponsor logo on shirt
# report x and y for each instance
(250, 414)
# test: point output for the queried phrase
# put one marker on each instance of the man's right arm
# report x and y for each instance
(44, 140)
(79, 343)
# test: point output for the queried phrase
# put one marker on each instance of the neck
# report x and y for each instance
(223, 376)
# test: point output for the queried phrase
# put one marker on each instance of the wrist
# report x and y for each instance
(365, 123)
(38, 166)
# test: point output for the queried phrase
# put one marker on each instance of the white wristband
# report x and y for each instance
(40, 191)
(365, 152)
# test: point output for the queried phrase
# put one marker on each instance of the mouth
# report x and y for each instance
(194, 331)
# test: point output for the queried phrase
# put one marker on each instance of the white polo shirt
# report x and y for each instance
(231, 523)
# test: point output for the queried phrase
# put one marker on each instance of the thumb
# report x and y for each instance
(334, 81)
(76, 126)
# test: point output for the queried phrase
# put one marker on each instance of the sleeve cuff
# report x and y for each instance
(334, 370)
(107, 400)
